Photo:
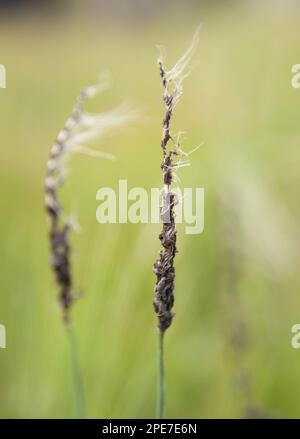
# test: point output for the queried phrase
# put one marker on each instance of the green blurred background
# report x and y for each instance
(239, 102)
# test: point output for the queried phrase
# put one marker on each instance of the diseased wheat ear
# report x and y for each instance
(172, 81)
(80, 127)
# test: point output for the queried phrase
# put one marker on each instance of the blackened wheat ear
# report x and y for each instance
(59, 226)
(79, 128)
(164, 267)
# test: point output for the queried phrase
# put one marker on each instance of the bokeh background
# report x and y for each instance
(228, 352)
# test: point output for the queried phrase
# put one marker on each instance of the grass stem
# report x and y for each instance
(161, 376)
(77, 380)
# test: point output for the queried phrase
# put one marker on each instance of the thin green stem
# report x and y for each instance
(161, 377)
(77, 380)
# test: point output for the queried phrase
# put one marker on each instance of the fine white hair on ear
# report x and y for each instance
(179, 72)
(80, 128)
